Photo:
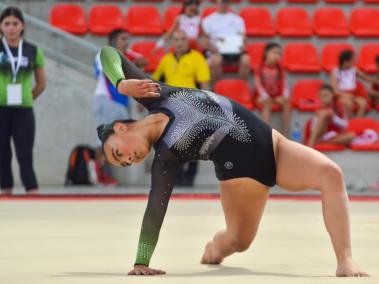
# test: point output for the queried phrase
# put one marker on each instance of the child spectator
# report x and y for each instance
(271, 85)
(344, 82)
(374, 90)
(188, 21)
(331, 121)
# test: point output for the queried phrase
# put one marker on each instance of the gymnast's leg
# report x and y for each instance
(243, 201)
(319, 173)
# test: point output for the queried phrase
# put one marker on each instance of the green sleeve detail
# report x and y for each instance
(163, 177)
(144, 252)
(111, 62)
(40, 59)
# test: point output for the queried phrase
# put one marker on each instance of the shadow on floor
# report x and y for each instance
(217, 270)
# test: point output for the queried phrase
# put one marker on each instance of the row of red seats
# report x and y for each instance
(295, 22)
(305, 94)
(262, 1)
(290, 22)
(297, 57)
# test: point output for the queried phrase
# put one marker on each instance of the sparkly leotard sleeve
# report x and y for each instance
(202, 126)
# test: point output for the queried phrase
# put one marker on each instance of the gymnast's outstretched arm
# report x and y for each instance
(120, 71)
(126, 77)
(162, 182)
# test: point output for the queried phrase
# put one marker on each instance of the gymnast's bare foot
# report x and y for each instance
(210, 256)
(349, 269)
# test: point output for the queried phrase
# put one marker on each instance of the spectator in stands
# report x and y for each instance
(19, 61)
(271, 85)
(331, 121)
(188, 21)
(109, 104)
(374, 89)
(224, 41)
(184, 67)
(345, 85)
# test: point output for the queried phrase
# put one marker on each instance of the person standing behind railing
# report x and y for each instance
(19, 60)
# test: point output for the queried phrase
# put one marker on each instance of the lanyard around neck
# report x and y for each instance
(15, 68)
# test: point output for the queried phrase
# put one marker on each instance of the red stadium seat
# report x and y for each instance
(331, 52)
(322, 147)
(373, 147)
(230, 1)
(358, 125)
(371, 1)
(303, 1)
(367, 55)
(207, 11)
(258, 21)
(330, 22)
(148, 0)
(329, 147)
(293, 22)
(255, 51)
(301, 57)
(364, 22)
(263, 1)
(235, 89)
(144, 20)
(230, 68)
(145, 48)
(170, 15)
(305, 95)
(341, 1)
(69, 17)
(105, 18)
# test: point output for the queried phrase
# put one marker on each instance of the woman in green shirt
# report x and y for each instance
(19, 60)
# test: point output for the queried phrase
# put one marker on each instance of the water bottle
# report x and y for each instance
(296, 132)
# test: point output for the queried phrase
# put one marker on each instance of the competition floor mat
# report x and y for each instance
(94, 241)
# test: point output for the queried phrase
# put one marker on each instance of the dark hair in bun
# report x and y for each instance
(104, 131)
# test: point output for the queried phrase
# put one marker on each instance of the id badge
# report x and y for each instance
(14, 94)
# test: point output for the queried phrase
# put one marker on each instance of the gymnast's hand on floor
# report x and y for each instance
(145, 270)
(139, 88)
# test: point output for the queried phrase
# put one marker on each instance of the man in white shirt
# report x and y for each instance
(225, 39)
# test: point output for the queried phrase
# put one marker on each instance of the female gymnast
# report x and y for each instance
(249, 157)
